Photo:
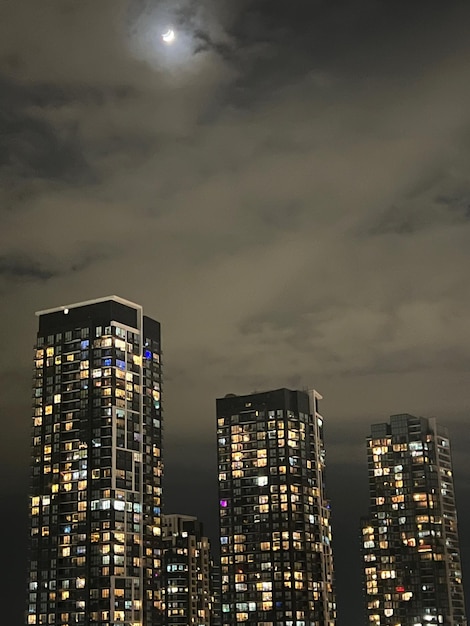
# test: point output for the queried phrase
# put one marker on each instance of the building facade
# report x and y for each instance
(95, 525)
(275, 533)
(216, 590)
(412, 569)
(186, 572)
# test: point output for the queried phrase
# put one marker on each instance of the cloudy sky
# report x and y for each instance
(286, 188)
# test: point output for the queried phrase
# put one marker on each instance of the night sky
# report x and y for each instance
(286, 188)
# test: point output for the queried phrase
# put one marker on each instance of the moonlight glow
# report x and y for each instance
(169, 36)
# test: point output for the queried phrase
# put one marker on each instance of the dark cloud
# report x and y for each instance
(356, 42)
(30, 146)
(286, 189)
(409, 219)
(18, 268)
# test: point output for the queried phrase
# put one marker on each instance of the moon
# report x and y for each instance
(169, 36)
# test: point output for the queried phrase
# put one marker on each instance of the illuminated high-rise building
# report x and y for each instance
(95, 524)
(412, 569)
(275, 533)
(187, 572)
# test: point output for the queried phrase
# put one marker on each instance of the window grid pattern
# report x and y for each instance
(275, 533)
(96, 477)
(410, 544)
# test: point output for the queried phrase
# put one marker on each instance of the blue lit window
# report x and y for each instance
(108, 362)
(147, 354)
(121, 364)
(84, 344)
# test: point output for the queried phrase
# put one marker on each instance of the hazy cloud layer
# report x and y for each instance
(287, 190)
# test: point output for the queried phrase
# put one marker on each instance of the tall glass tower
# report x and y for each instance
(412, 569)
(95, 554)
(275, 533)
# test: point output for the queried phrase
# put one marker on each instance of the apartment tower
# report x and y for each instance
(95, 525)
(187, 572)
(275, 533)
(412, 569)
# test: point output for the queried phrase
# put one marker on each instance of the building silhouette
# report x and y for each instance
(187, 572)
(275, 534)
(412, 569)
(96, 467)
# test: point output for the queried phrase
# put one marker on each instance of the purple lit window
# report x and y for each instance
(223, 504)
